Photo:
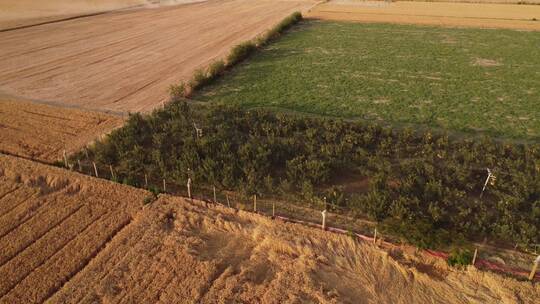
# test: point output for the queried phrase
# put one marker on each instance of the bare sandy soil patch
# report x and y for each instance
(42, 132)
(482, 15)
(52, 223)
(181, 252)
(125, 61)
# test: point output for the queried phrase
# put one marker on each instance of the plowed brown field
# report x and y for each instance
(481, 15)
(52, 223)
(125, 61)
(42, 132)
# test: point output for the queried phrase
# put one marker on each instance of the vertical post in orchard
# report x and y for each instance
(474, 256)
(228, 202)
(95, 169)
(215, 197)
(323, 219)
(254, 202)
(189, 187)
(534, 268)
(486, 182)
(145, 181)
(112, 172)
(375, 236)
(164, 186)
(273, 209)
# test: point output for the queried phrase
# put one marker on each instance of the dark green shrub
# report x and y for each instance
(177, 92)
(460, 257)
(240, 53)
(216, 69)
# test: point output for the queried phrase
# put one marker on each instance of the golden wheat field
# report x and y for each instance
(69, 238)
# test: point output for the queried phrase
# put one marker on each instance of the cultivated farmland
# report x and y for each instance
(444, 13)
(42, 132)
(468, 80)
(52, 223)
(125, 61)
(180, 252)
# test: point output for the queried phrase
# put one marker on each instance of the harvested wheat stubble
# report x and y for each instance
(126, 61)
(482, 15)
(42, 132)
(60, 221)
(181, 252)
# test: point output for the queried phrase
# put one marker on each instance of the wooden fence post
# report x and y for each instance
(228, 203)
(189, 187)
(533, 270)
(254, 202)
(112, 172)
(375, 236)
(474, 256)
(95, 169)
(273, 209)
(164, 186)
(65, 159)
(215, 198)
(323, 219)
(145, 181)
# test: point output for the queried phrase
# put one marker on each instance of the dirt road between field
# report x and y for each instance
(125, 61)
(42, 132)
(479, 15)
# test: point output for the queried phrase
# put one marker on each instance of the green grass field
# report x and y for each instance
(470, 80)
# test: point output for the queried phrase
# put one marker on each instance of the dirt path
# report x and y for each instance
(481, 15)
(125, 61)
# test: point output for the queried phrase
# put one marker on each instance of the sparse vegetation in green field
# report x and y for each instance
(471, 80)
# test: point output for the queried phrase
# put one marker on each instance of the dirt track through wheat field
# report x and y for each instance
(478, 15)
(125, 61)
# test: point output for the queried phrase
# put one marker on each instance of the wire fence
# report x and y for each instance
(509, 261)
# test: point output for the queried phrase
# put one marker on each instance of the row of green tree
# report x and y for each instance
(422, 186)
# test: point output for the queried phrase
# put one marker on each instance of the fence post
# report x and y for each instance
(324, 219)
(145, 181)
(189, 187)
(164, 186)
(273, 209)
(112, 172)
(65, 159)
(487, 181)
(95, 169)
(215, 198)
(375, 236)
(254, 202)
(474, 256)
(228, 203)
(533, 270)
